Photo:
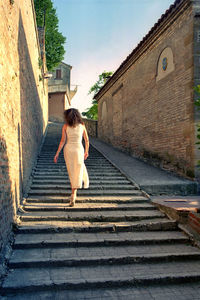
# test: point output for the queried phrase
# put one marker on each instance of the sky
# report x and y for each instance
(101, 34)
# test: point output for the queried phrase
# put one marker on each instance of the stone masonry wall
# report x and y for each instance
(152, 116)
(56, 107)
(196, 7)
(23, 106)
(91, 126)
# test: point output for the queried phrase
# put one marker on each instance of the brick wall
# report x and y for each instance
(196, 6)
(152, 116)
(23, 106)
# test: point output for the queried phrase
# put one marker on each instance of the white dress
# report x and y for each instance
(74, 157)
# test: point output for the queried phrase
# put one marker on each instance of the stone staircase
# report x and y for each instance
(114, 244)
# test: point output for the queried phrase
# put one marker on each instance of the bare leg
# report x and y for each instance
(73, 197)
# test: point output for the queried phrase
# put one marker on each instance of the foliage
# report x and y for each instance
(92, 112)
(197, 103)
(54, 40)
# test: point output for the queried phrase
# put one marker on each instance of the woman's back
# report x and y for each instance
(74, 134)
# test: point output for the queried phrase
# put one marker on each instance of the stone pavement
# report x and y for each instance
(114, 244)
(151, 179)
(180, 203)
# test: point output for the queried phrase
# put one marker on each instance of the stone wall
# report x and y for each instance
(23, 106)
(91, 126)
(56, 107)
(196, 6)
(148, 109)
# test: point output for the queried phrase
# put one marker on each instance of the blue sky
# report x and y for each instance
(100, 34)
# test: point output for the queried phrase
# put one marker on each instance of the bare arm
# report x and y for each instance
(62, 142)
(86, 139)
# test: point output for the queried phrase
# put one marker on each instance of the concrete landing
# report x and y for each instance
(152, 180)
(185, 210)
(187, 203)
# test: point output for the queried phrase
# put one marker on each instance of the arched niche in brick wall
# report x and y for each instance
(165, 63)
(104, 119)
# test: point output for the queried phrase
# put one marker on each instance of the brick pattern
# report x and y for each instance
(23, 106)
(196, 77)
(157, 116)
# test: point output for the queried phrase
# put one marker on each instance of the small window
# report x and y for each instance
(58, 74)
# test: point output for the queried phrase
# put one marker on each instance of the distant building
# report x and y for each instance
(60, 93)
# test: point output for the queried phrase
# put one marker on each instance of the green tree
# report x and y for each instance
(92, 112)
(54, 40)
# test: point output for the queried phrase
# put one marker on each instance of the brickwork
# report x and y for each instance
(197, 74)
(151, 115)
(23, 106)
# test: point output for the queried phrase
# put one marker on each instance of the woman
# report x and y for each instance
(74, 154)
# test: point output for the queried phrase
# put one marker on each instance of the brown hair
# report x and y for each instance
(73, 117)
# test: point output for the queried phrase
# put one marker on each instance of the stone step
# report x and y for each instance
(92, 181)
(86, 192)
(36, 279)
(51, 153)
(91, 199)
(113, 237)
(91, 216)
(46, 162)
(88, 165)
(150, 224)
(50, 158)
(63, 170)
(94, 186)
(64, 173)
(63, 166)
(91, 171)
(180, 291)
(44, 157)
(64, 176)
(27, 241)
(103, 255)
(88, 207)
